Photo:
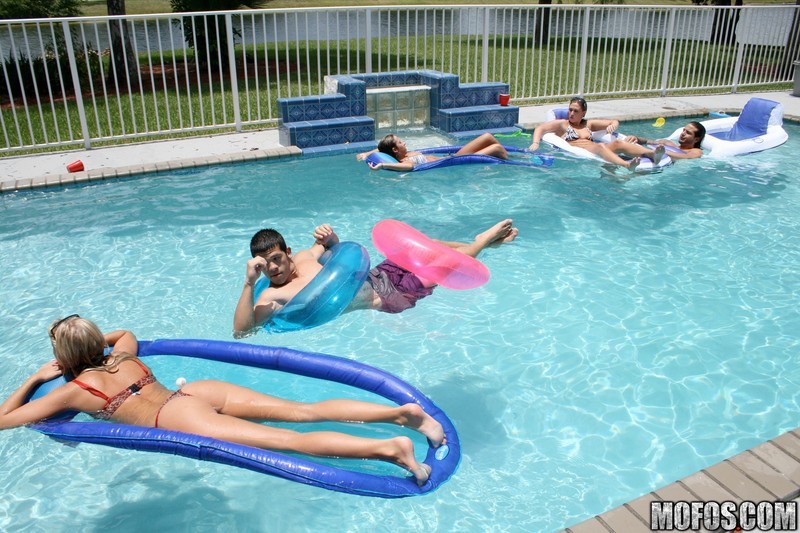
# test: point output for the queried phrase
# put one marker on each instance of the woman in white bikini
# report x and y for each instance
(394, 146)
(577, 131)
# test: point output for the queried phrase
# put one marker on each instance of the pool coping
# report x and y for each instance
(768, 472)
(111, 173)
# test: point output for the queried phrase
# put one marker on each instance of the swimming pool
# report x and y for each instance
(635, 332)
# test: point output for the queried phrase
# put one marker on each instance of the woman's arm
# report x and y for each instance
(401, 166)
(363, 155)
(15, 412)
(609, 125)
(123, 341)
(553, 126)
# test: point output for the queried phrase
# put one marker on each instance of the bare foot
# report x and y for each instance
(404, 457)
(634, 163)
(416, 418)
(501, 232)
(510, 237)
(658, 153)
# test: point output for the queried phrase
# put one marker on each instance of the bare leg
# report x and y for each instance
(500, 233)
(636, 150)
(495, 150)
(229, 399)
(486, 144)
(603, 151)
(193, 415)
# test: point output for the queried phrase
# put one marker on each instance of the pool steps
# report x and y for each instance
(340, 116)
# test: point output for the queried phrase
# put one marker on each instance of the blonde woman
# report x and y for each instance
(120, 387)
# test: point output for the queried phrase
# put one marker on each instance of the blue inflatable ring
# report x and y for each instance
(344, 268)
(524, 159)
(443, 460)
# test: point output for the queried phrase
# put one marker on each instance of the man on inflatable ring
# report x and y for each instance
(388, 288)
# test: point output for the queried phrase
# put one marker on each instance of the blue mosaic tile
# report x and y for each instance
(356, 91)
(343, 109)
(366, 134)
(303, 139)
(332, 110)
(461, 99)
(311, 112)
(449, 85)
(319, 137)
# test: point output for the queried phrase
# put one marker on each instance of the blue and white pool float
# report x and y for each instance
(345, 267)
(443, 460)
(759, 127)
(524, 158)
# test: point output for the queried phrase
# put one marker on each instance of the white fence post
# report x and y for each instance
(485, 51)
(368, 42)
(584, 50)
(237, 115)
(76, 84)
(667, 53)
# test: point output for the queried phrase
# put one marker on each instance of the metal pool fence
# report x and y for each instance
(80, 81)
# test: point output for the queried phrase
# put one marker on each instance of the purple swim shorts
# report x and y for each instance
(397, 288)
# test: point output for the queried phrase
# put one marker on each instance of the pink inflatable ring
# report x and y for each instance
(426, 258)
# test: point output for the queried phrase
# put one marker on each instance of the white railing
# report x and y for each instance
(101, 79)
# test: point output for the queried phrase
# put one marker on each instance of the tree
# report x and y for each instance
(34, 9)
(207, 33)
(544, 21)
(723, 30)
(124, 61)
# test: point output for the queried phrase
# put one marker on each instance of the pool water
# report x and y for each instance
(635, 332)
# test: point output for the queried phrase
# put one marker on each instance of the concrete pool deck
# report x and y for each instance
(109, 162)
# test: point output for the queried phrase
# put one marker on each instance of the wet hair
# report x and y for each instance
(701, 133)
(79, 345)
(581, 102)
(265, 240)
(388, 144)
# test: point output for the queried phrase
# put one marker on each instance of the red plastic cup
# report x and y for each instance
(504, 99)
(75, 166)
